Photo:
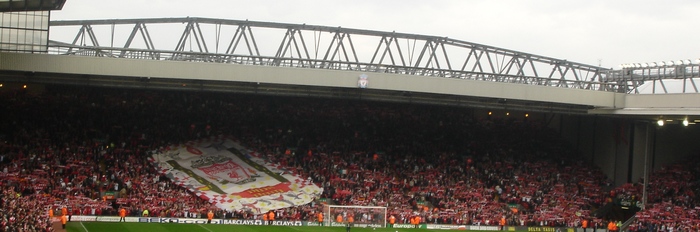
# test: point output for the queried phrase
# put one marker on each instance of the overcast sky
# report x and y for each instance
(606, 32)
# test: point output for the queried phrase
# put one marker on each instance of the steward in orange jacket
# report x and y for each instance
(210, 216)
(64, 219)
(320, 219)
(122, 215)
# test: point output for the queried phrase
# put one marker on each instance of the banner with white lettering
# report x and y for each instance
(85, 218)
(404, 226)
(460, 227)
(542, 229)
(359, 225)
(232, 177)
(219, 221)
(201, 221)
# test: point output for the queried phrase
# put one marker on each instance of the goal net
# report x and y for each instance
(362, 216)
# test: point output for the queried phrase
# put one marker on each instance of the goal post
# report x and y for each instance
(362, 216)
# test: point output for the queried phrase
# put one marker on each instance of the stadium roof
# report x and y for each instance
(30, 5)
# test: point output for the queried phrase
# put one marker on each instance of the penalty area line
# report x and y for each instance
(200, 225)
(81, 224)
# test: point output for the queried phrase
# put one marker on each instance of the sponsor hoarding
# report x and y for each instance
(460, 227)
(81, 218)
(404, 226)
(217, 221)
(358, 225)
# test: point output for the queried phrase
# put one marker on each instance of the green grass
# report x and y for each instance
(157, 227)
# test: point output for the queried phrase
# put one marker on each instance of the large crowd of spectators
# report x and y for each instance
(87, 149)
(672, 198)
(23, 213)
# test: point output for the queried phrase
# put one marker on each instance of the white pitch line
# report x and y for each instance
(81, 224)
(200, 225)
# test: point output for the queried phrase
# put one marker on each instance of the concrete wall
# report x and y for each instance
(675, 142)
(591, 136)
(618, 146)
(642, 153)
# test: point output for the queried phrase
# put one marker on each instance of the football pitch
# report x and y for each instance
(157, 227)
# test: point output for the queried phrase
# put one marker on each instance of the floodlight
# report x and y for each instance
(660, 122)
(685, 122)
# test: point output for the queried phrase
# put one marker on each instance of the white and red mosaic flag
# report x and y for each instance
(233, 177)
